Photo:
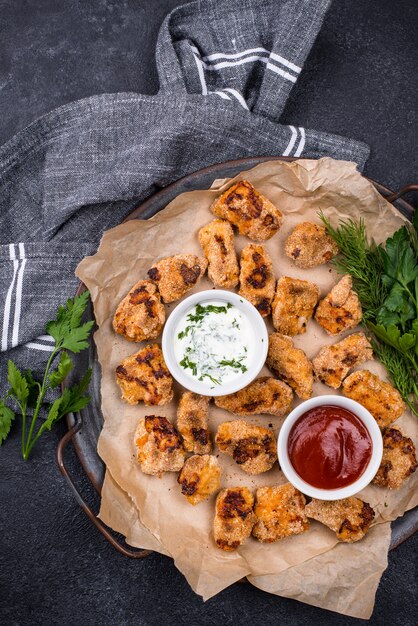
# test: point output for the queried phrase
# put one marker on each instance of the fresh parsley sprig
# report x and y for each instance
(385, 278)
(27, 393)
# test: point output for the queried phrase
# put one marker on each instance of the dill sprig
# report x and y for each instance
(361, 259)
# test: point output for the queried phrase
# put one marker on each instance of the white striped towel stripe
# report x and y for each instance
(18, 305)
(38, 346)
(238, 55)
(292, 141)
(301, 145)
(8, 300)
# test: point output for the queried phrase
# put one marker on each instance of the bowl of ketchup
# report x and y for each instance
(330, 447)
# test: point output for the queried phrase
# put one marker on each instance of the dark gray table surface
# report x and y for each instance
(361, 81)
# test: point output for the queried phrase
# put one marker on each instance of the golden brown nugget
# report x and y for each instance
(176, 275)
(340, 310)
(252, 447)
(144, 377)
(280, 512)
(217, 241)
(141, 314)
(349, 518)
(192, 422)
(332, 363)
(234, 518)
(199, 478)
(309, 245)
(290, 364)
(382, 400)
(263, 395)
(293, 305)
(256, 279)
(158, 446)
(399, 460)
(248, 210)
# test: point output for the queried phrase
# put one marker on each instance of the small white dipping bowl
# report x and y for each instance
(259, 337)
(371, 469)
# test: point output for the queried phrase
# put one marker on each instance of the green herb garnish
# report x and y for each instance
(186, 363)
(201, 311)
(184, 332)
(234, 363)
(27, 393)
(385, 278)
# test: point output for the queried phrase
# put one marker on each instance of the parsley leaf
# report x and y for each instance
(19, 388)
(6, 418)
(70, 334)
(64, 368)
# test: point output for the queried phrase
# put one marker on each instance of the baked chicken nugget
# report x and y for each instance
(349, 518)
(293, 305)
(158, 446)
(234, 518)
(309, 245)
(176, 275)
(199, 478)
(256, 279)
(263, 395)
(280, 512)
(332, 363)
(140, 315)
(217, 241)
(192, 422)
(252, 447)
(144, 376)
(399, 460)
(248, 210)
(382, 400)
(340, 310)
(290, 364)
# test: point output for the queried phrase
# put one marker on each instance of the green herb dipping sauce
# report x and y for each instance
(213, 343)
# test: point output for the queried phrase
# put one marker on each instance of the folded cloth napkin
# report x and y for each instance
(226, 68)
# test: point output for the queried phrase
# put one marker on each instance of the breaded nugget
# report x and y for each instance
(332, 363)
(248, 210)
(293, 305)
(399, 460)
(263, 395)
(340, 310)
(252, 447)
(217, 241)
(192, 422)
(256, 278)
(234, 518)
(382, 400)
(309, 245)
(141, 314)
(144, 376)
(280, 512)
(290, 364)
(199, 478)
(349, 518)
(176, 275)
(158, 446)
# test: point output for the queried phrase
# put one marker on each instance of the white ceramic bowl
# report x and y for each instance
(260, 337)
(371, 469)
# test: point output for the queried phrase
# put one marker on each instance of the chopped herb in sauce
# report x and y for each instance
(213, 342)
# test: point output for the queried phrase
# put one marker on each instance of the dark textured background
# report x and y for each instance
(360, 80)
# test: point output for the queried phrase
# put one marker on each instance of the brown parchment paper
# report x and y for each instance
(151, 512)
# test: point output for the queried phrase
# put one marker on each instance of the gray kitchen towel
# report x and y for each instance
(226, 68)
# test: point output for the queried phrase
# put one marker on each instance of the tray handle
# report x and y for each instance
(87, 510)
(404, 190)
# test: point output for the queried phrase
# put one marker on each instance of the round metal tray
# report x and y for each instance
(85, 427)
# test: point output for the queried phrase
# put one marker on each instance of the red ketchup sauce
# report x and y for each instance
(329, 447)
